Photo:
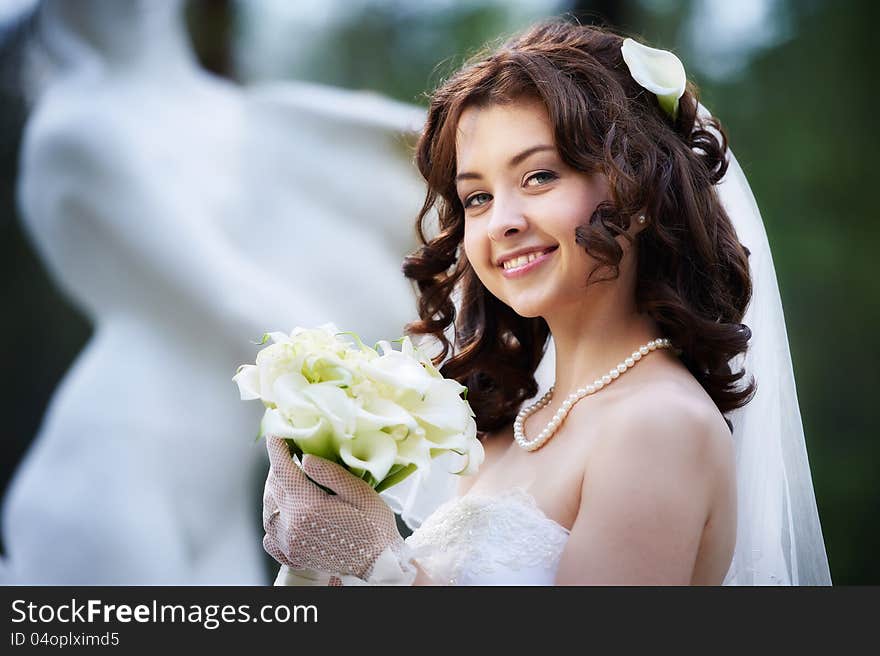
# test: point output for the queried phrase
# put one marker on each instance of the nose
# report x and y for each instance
(507, 219)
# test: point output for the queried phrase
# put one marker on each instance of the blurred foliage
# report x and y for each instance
(211, 25)
(799, 121)
(800, 124)
(399, 52)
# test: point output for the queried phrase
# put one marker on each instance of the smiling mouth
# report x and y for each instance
(522, 261)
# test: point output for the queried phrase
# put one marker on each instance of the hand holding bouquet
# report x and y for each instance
(361, 421)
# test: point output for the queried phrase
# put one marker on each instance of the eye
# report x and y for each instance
(540, 178)
(476, 200)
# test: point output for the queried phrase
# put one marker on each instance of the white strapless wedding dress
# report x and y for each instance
(499, 539)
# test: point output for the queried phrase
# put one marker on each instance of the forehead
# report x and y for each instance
(500, 131)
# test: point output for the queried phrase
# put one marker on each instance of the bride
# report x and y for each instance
(583, 196)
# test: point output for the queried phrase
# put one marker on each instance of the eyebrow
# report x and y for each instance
(516, 159)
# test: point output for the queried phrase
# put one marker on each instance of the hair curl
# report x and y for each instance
(692, 272)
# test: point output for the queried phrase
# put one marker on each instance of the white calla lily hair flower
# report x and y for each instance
(658, 71)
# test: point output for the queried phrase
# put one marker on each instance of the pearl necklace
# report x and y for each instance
(574, 397)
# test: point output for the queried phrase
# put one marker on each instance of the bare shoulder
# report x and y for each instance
(672, 426)
(652, 482)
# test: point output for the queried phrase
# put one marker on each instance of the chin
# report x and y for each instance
(528, 310)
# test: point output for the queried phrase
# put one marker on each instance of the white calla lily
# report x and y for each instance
(378, 413)
(336, 406)
(291, 401)
(447, 441)
(278, 338)
(658, 71)
(316, 439)
(414, 450)
(248, 381)
(442, 406)
(272, 362)
(370, 451)
(274, 423)
(474, 453)
(398, 371)
(409, 349)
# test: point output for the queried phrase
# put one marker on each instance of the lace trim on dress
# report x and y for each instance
(480, 534)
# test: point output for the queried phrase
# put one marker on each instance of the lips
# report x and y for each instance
(523, 265)
(523, 257)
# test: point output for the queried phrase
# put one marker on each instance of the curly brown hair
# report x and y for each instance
(692, 271)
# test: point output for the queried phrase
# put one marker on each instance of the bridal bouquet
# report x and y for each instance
(381, 415)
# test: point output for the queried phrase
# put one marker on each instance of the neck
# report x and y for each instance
(597, 333)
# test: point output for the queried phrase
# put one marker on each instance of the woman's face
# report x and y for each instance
(522, 204)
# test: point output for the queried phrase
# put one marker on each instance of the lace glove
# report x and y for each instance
(315, 535)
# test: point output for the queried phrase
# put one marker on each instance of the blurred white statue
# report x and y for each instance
(186, 216)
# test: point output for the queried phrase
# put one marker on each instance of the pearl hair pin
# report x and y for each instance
(551, 428)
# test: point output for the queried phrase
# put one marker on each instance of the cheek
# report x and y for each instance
(579, 208)
(475, 248)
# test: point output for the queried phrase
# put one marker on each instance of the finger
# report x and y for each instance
(271, 509)
(287, 473)
(348, 486)
(270, 505)
(280, 458)
(271, 547)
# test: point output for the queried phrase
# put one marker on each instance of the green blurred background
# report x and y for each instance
(790, 79)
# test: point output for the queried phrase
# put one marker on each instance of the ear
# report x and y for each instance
(638, 222)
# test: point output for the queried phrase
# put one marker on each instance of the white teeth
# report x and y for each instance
(522, 260)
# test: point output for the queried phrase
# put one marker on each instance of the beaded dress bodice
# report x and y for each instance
(477, 539)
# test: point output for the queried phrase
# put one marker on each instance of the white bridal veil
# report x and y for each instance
(779, 538)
